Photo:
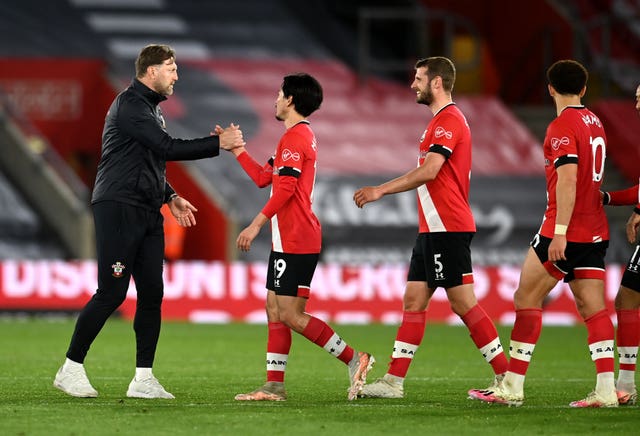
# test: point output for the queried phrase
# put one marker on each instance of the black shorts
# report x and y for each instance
(585, 260)
(291, 274)
(631, 276)
(442, 259)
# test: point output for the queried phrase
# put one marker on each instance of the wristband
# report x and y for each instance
(561, 229)
(172, 197)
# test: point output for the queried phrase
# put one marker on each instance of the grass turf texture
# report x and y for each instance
(204, 366)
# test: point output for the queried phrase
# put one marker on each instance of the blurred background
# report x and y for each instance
(63, 61)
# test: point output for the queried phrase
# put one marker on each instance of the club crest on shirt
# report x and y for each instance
(117, 268)
(441, 131)
(557, 142)
(287, 154)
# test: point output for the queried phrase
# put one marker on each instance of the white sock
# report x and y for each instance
(605, 382)
(394, 379)
(70, 364)
(626, 379)
(143, 373)
(513, 383)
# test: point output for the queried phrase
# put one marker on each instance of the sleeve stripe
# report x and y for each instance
(289, 171)
(441, 149)
(566, 159)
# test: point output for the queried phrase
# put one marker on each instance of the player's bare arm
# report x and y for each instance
(246, 237)
(366, 195)
(565, 198)
(411, 180)
(632, 227)
(238, 150)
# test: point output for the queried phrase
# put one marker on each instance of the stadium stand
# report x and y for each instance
(609, 39)
(22, 234)
(623, 131)
(232, 56)
(44, 203)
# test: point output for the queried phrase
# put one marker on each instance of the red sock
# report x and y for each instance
(278, 346)
(524, 336)
(319, 332)
(600, 338)
(484, 334)
(627, 338)
(408, 339)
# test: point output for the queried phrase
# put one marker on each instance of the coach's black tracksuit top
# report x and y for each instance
(136, 147)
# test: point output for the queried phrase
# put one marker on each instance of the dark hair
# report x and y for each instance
(305, 90)
(153, 54)
(567, 77)
(439, 66)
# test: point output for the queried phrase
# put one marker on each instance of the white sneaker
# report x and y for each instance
(478, 394)
(382, 388)
(498, 395)
(270, 391)
(627, 398)
(359, 367)
(147, 388)
(74, 382)
(595, 399)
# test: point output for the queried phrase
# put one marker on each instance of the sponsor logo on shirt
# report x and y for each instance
(287, 154)
(557, 142)
(440, 132)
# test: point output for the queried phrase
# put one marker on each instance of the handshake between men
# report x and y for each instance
(230, 137)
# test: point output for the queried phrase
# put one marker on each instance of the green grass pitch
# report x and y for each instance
(204, 366)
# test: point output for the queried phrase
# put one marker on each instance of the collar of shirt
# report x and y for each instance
(147, 92)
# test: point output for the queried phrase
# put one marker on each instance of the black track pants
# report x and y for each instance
(129, 242)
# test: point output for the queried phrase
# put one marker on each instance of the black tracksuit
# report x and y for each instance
(129, 191)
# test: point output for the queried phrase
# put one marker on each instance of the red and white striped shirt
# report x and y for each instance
(443, 203)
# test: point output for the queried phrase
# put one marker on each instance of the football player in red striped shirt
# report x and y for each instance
(570, 245)
(296, 240)
(441, 256)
